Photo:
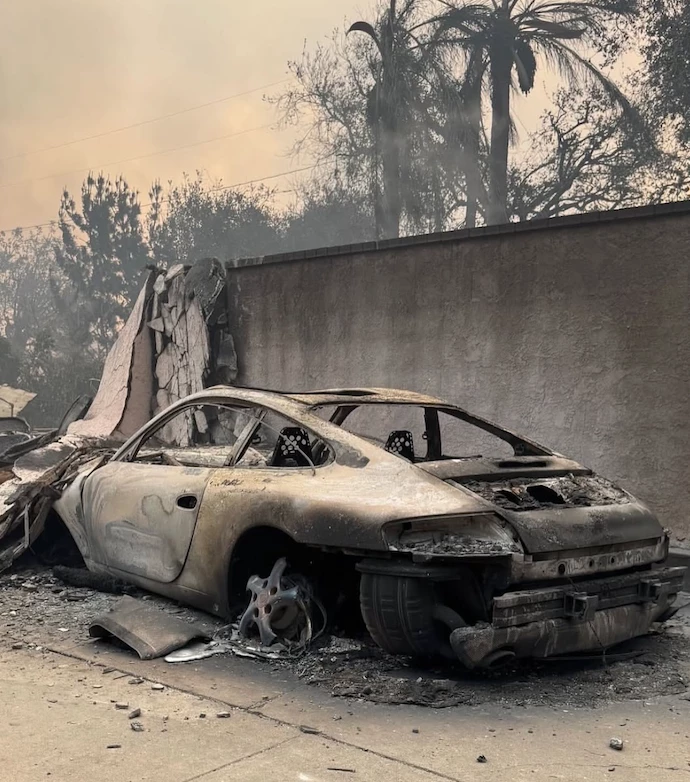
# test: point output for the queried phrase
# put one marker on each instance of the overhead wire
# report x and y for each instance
(210, 190)
(138, 157)
(150, 121)
(152, 154)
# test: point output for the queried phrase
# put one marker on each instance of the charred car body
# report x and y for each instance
(469, 540)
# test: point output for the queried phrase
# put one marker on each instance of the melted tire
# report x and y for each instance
(398, 613)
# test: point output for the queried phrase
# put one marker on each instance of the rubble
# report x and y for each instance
(174, 342)
(345, 666)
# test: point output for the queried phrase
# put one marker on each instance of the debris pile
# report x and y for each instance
(175, 342)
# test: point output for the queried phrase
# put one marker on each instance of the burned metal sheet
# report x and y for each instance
(146, 629)
(113, 394)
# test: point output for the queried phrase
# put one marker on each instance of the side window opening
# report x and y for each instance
(280, 442)
(198, 436)
(399, 429)
(417, 434)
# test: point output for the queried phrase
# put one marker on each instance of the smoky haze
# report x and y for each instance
(83, 67)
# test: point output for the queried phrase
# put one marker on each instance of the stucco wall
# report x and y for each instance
(576, 335)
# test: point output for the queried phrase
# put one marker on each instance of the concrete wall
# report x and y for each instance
(573, 332)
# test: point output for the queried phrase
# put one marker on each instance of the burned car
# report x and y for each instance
(464, 539)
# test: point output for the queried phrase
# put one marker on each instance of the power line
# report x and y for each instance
(211, 190)
(266, 178)
(143, 122)
(138, 157)
(251, 182)
(26, 227)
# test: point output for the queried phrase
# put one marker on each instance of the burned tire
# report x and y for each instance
(399, 615)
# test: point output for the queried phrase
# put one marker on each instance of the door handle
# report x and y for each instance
(187, 501)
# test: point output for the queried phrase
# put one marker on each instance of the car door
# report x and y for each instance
(140, 517)
(140, 512)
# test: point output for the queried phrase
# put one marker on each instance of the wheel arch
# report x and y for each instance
(255, 551)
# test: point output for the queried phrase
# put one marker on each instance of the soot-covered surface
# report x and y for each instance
(569, 491)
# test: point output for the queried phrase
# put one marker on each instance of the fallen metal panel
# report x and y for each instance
(146, 629)
(108, 407)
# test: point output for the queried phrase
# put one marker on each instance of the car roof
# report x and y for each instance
(333, 396)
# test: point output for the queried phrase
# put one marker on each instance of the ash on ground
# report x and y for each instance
(660, 667)
(38, 609)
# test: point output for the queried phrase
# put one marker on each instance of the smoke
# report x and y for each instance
(69, 70)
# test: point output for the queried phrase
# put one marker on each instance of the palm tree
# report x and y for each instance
(504, 38)
(391, 106)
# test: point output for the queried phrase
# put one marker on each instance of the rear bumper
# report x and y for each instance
(571, 618)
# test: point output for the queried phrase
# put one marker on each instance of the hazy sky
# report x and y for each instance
(74, 68)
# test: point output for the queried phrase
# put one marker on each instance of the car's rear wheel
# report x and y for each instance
(399, 613)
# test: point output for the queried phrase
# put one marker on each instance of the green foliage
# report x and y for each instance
(200, 220)
(327, 214)
(57, 371)
(666, 27)
(376, 104)
(25, 298)
(587, 156)
(101, 257)
(415, 108)
(509, 38)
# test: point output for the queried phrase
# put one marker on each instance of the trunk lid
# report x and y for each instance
(553, 503)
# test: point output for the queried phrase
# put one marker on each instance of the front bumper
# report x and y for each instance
(576, 617)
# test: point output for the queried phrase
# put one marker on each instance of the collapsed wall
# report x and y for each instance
(174, 343)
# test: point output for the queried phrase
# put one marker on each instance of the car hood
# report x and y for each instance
(553, 503)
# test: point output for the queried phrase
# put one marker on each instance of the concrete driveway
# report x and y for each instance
(67, 715)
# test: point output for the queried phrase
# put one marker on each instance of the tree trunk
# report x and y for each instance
(392, 205)
(501, 66)
(473, 173)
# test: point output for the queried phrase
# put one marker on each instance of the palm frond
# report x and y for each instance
(609, 87)
(586, 8)
(555, 56)
(367, 29)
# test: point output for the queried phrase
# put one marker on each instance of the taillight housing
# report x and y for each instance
(462, 535)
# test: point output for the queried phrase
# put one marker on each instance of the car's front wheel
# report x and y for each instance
(400, 615)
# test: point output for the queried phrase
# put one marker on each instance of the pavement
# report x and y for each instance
(67, 708)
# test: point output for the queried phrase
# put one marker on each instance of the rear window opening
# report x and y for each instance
(418, 434)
